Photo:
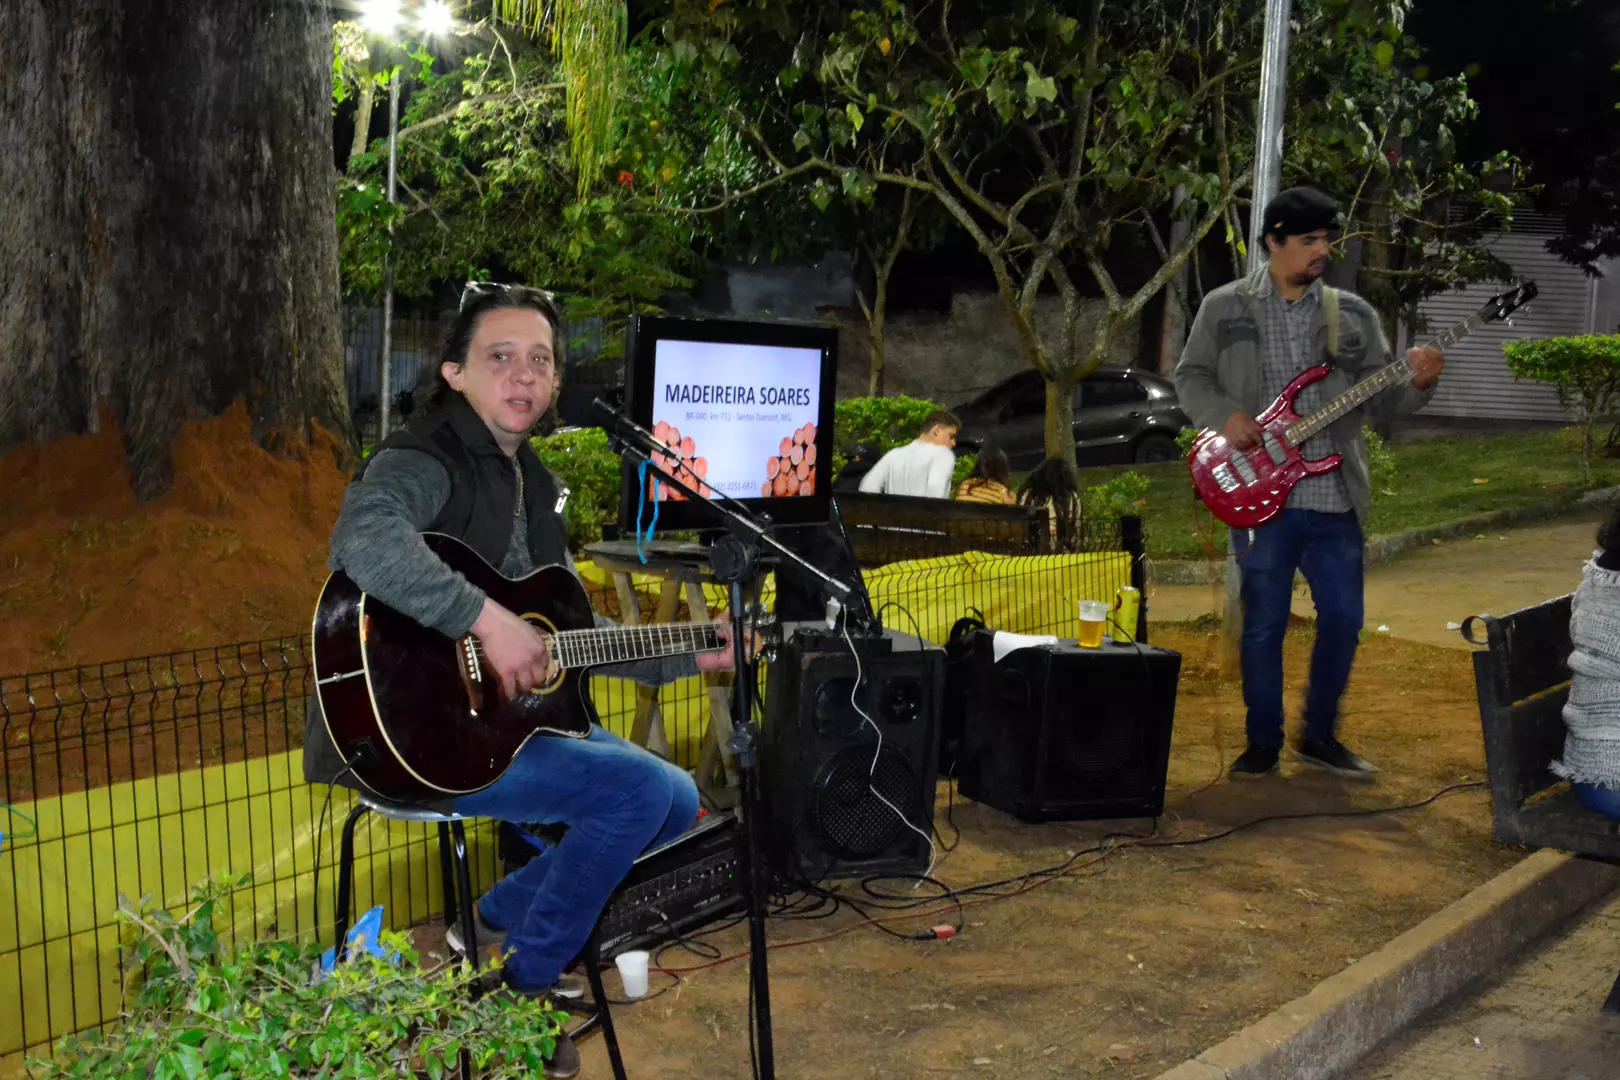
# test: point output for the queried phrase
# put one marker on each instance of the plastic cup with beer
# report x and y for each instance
(1093, 616)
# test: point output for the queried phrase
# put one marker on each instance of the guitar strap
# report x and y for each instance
(1330, 320)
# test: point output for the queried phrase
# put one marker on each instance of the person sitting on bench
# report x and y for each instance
(1591, 758)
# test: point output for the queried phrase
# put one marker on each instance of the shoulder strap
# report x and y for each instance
(1330, 318)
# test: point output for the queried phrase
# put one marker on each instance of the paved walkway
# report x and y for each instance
(1541, 1019)
(1415, 595)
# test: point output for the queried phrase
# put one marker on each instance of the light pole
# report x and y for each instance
(1268, 154)
(382, 18)
(1268, 150)
(385, 373)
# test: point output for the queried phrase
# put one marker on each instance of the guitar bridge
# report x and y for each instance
(472, 672)
(1223, 476)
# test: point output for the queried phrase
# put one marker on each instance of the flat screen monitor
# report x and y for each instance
(750, 406)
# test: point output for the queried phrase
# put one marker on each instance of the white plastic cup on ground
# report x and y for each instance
(633, 972)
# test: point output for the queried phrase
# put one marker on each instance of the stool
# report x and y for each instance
(459, 900)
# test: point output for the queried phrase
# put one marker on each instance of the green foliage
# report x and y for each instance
(589, 39)
(581, 459)
(487, 186)
(964, 465)
(1365, 121)
(1120, 495)
(1584, 370)
(202, 1009)
(1380, 463)
(1184, 439)
(887, 421)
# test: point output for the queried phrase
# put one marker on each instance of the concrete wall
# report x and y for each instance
(953, 357)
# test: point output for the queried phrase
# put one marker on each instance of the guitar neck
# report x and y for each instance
(1396, 374)
(619, 644)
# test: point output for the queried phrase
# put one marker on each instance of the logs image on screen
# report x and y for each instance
(792, 471)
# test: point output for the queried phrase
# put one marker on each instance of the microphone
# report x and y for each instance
(834, 609)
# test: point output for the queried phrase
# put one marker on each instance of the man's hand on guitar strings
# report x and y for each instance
(1241, 431)
(1427, 364)
(722, 658)
(519, 654)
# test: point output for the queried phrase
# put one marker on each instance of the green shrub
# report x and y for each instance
(1584, 370)
(202, 1010)
(581, 459)
(887, 421)
(1185, 437)
(964, 465)
(1118, 497)
(1380, 462)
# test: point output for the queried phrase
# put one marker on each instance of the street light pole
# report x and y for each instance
(1268, 150)
(385, 368)
(1268, 155)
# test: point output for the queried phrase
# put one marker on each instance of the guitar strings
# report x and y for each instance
(575, 647)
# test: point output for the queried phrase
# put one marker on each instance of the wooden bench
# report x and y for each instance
(1522, 681)
(890, 528)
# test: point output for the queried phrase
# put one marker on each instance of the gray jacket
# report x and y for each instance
(1220, 371)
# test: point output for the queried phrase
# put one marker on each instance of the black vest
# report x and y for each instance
(483, 489)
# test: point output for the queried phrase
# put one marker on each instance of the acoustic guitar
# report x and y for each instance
(424, 717)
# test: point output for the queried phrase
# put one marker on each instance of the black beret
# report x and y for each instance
(1298, 211)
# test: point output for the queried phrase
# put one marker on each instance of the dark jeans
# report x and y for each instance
(1327, 548)
(1605, 800)
(617, 799)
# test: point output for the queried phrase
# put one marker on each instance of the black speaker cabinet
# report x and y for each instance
(1061, 733)
(824, 819)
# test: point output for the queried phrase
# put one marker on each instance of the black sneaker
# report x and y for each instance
(1335, 757)
(1256, 761)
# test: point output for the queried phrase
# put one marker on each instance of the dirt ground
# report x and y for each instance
(1415, 595)
(1131, 963)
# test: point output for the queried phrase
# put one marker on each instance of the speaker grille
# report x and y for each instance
(845, 814)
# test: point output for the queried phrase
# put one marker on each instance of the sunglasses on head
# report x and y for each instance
(520, 293)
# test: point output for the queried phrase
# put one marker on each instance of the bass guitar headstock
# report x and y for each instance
(1500, 308)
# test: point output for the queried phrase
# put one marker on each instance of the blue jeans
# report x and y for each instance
(1604, 800)
(617, 800)
(1327, 548)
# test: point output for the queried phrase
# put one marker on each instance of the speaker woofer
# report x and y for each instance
(845, 814)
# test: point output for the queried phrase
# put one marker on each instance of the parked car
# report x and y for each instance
(1120, 415)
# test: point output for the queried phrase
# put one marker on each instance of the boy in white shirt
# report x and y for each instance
(921, 468)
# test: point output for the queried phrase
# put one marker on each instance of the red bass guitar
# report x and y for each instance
(1247, 488)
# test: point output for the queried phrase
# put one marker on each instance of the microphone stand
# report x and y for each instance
(734, 561)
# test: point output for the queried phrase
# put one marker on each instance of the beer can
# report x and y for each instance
(1122, 619)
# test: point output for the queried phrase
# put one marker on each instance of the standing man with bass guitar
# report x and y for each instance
(466, 469)
(1251, 338)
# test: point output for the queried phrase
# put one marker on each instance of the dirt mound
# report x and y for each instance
(235, 551)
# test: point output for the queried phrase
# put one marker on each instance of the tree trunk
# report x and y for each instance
(362, 117)
(1060, 419)
(880, 307)
(167, 242)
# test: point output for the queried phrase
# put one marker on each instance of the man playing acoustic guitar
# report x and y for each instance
(1248, 342)
(466, 469)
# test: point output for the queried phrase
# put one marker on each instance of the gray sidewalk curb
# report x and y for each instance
(1379, 548)
(1327, 1031)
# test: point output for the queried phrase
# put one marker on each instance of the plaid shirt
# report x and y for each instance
(1286, 341)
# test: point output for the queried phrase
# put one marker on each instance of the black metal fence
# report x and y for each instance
(145, 776)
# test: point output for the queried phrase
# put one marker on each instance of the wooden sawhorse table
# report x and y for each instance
(683, 570)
